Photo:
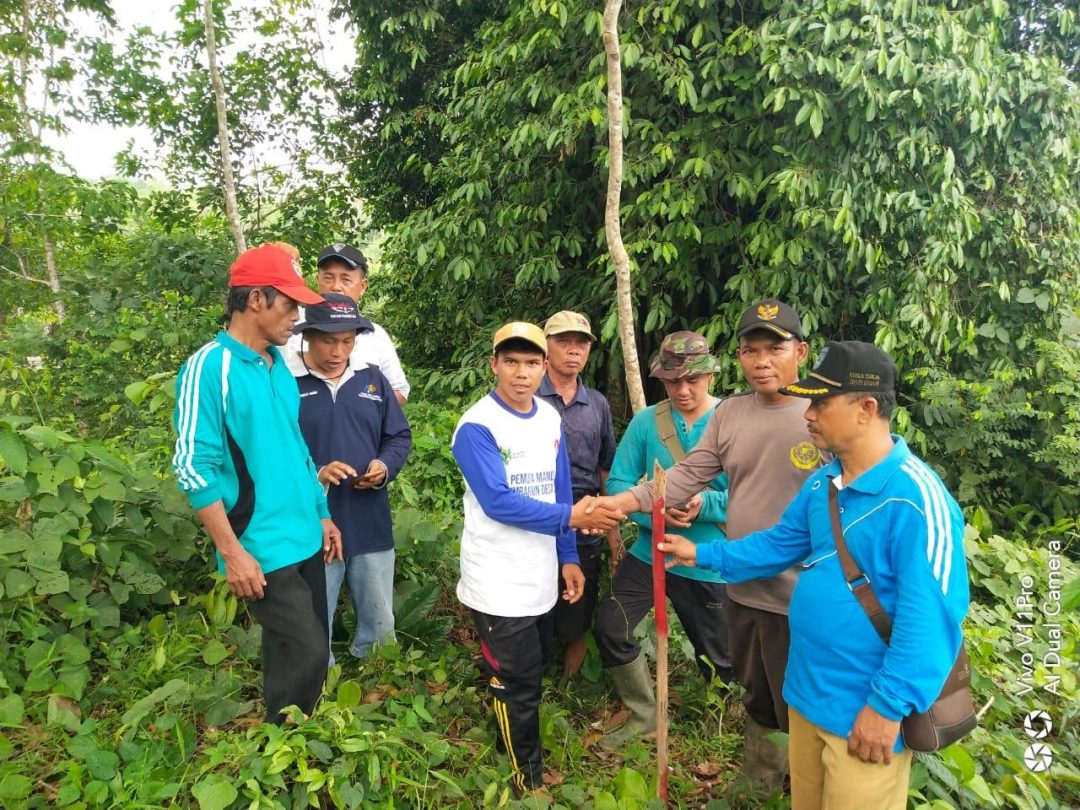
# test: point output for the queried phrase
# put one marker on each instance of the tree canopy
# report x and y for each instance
(903, 172)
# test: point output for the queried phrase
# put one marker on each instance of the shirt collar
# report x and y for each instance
(548, 390)
(873, 480)
(246, 352)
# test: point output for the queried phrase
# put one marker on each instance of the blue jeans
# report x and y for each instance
(371, 590)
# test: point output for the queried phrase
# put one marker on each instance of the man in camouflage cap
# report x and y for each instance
(666, 432)
(759, 439)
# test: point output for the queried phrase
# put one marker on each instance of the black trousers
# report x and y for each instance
(515, 651)
(701, 607)
(572, 621)
(759, 643)
(295, 649)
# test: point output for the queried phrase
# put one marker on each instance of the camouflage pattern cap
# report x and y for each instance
(682, 354)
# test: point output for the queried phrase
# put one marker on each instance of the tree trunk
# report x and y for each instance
(54, 277)
(612, 227)
(33, 137)
(228, 183)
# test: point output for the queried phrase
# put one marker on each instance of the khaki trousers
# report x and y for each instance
(824, 776)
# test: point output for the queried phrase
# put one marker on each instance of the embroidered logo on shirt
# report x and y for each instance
(509, 455)
(805, 456)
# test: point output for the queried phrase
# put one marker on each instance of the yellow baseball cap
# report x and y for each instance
(520, 330)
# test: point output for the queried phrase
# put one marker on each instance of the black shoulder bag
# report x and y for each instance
(952, 715)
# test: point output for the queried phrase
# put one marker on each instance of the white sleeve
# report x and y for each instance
(378, 349)
(293, 352)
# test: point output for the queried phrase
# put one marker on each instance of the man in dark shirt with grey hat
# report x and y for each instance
(590, 443)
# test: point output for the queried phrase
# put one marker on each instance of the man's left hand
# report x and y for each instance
(331, 541)
(873, 736)
(575, 582)
(373, 477)
(685, 514)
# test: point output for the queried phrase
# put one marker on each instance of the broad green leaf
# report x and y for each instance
(214, 793)
(630, 786)
(17, 582)
(11, 711)
(348, 695)
(172, 692)
(214, 653)
(137, 391)
(13, 452)
(15, 787)
(52, 582)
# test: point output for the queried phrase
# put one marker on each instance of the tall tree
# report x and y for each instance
(280, 105)
(40, 46)
(228, 183)
(612, 226)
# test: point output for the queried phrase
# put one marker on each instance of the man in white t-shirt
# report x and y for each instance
(518, 536)
(343, 269)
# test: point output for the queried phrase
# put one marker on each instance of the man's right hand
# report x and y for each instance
(680, 551)
(335, 472)
(589, 518)
(244, 574)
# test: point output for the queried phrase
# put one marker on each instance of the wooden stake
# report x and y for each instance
(659, 575)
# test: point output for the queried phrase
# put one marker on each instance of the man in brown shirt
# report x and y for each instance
(760, 439)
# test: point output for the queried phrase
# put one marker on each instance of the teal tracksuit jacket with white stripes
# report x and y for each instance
(906, 533)
(238, 441)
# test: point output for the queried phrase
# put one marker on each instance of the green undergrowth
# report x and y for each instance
(172, 719)
(130, 677)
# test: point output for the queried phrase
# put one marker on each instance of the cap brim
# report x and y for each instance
(330, 328)
(324, 259)
(666, 374)
(776, 330)
(810, 388)
(568, 330)
(541, 346)
(300, 294)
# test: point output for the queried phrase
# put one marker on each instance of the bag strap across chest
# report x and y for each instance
(857, 581)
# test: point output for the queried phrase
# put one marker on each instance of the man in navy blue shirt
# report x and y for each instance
(359, 439)
(590, 443)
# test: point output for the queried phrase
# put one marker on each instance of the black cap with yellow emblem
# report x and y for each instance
(773, 315)
(846, 367)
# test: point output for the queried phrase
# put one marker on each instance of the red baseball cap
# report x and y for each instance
(270, 266)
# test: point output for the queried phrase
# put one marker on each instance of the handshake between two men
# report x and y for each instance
(596, 514)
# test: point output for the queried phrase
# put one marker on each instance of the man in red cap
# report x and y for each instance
(242, 462)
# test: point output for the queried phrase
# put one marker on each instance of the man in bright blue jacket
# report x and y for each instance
(359, 439)
(244, 466)
(846, 690)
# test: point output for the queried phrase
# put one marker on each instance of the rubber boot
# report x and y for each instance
(634, 685)
(765, 763)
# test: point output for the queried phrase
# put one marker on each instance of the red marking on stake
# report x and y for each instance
(659, 578)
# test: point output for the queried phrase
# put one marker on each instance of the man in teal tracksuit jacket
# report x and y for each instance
(242, 462)
(659, 433)
(846, 690)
